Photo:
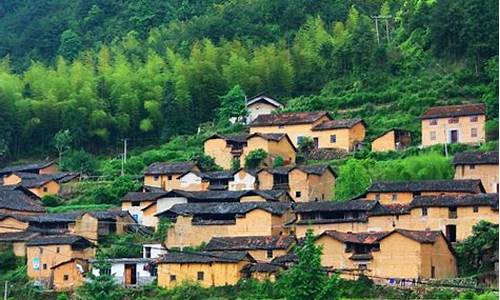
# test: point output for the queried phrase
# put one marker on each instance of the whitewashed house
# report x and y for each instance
(153, 250)
(261, 104)
(127, 271)
(244, 180)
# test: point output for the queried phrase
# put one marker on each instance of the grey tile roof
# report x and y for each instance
(476, 158)
(160, 168)
(269, 136)
(32, 167)
(223, 195)
(338, 124)
(455, 200)
(143, 196)
(21, 236)
(290, 257)
(466, 185)
(317, 169)
(36, 182)
(237, 138)
(262, 97)
(59, 240)
(232, 208)
(19, 201)
(250, 243)
(357, 237)
(217, 175)
(455, 111)
(261, 267)
(328, 206)
(292, 118)
(204, 257)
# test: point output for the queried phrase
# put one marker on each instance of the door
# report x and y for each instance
(316, 143)
(451, 233)
(130, 274)
(453, 136)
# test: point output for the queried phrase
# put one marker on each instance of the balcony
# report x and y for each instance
(281, 186)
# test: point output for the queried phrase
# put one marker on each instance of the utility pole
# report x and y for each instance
(386, 21)
(376, 28)
(124, 156)
(5, 291)
(445, 142)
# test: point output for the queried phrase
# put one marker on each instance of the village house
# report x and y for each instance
(261, 104)
(319, 126)
(402, 192)
(206, 268)
(454, 124)
(196, 223)
(478, 165)
(45, 252)
(95, 225)
(244, 180)
(398, 254)
(392, 140)
(303, 182)
(226, 149)
(166, 174)
(16, 241)
(150, 205)
(262, 248)
(45, 167)
(202, 181)
(14, 201)
(45, 184)
(42, 185)
(127, 271)
(69, 274)
(262, 271)
(13, 223)
(153, 250)
(455, 215)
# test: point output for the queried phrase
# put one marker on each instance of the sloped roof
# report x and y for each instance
(261, 267)
(217, 175)
(233, 208)
(36, 182)
(143, 196)
(262, 97)
(396, 130)
(250, 243)
(234, 138)
(223, 195)
(204, 257)
(464, 185)
(27, 167)
(59, 240)
(160, 168)
(358, 237)
(17, 200)
(391, 210)
(290, 257)
(421, 236)
(17, 236)
(476, 158)
(338, 124)
(328, 206)
(317, 169)
(455, 200)
(455, 111)
(292, 118)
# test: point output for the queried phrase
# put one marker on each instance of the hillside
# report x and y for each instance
(147, 70)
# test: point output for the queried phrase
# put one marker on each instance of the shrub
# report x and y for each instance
(255, 158)
(278, 161)
(235, 164)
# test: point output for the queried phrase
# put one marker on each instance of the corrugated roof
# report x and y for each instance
(292, 118)
(455, 111)
(337, 124)
(250, 243)
(476, 158)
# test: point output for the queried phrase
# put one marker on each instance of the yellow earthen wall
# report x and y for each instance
(464, 126)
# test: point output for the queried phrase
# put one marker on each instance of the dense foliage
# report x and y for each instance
(147, 70)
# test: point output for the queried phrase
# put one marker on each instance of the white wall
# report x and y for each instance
(242, 184)
(189, 179)
(118, 273)
(156, 250)
(166, 203)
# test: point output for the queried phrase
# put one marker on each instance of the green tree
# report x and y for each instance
(278, 161)
(100, 287)
(476, 254)
(62, 142)
(235, 164)
(353, 180)
(255, 158)
(306, 145)
(307, 279)
(232, 107)
(70, 44)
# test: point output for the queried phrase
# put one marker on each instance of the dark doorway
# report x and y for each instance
(451, 233)
(454, 136)
(316, 142)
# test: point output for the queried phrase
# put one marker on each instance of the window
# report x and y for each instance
(58, 250)
(433, 122)
(433, 135)
(65, 277)
(298, 194)
(362, 266)
(105, 270)
(475, 208)
(172, 278)
(472, 167)
(156, 177)
(41, 250)
(453, 120)
(424, 211)
(200, 275)
(136, 203)
(394, 197)
(473, 132)
(377, 196)
(147, 252)
(473, 119)
(45, 266)
(269, 253)
(452, 212)
(348, 248)
(169, 177)
(333, 138)
(45, 189)
(281, 126)
(451, 233)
